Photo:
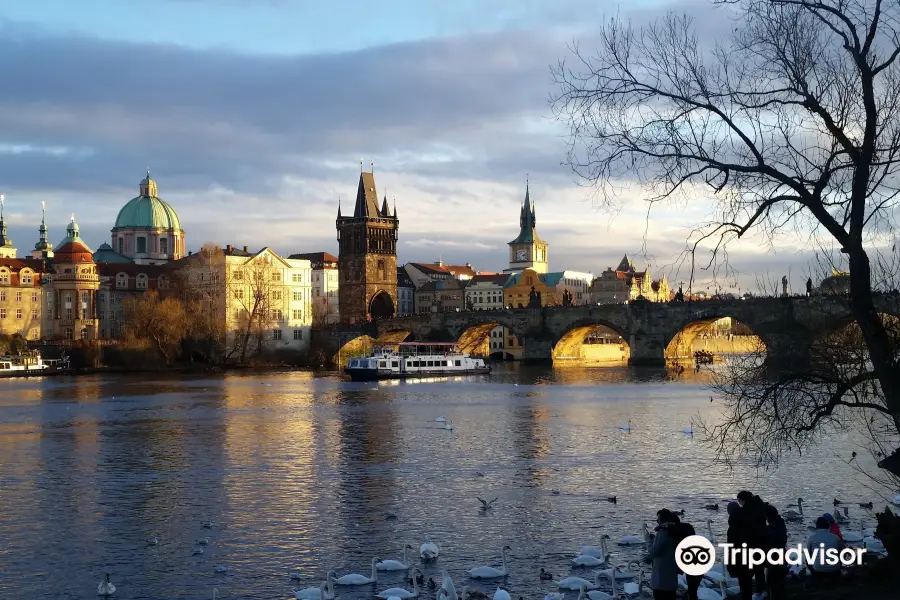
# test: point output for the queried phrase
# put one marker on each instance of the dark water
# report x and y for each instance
(300, 472)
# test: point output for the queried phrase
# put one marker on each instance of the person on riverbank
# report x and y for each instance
(833, 526)
(776, 537)
(754, 515)
(664, 570)
(679, 531)
(821, 541)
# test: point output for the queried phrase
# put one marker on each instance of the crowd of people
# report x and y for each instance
(751, 521)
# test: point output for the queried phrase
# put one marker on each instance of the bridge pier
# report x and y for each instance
(537, 349)
(647, 350)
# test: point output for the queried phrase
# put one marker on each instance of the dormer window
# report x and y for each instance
(121, 280)
(141, 281)
(163, 282)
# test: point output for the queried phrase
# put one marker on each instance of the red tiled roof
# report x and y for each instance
(455, 270)
(495, 278)
(74, 252)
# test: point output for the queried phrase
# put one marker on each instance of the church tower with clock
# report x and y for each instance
(527, 251)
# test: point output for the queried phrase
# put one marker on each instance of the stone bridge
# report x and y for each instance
(655, 332)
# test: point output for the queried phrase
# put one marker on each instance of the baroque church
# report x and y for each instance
(71, 292)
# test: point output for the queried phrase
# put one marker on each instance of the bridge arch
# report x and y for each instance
(591, 342)
(710, 333)
(489, 336)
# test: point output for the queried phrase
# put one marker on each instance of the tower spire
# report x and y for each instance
(43, 248)
(5, 242)
(339, 207)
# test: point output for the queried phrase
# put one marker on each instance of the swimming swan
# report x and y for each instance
(323, 592)
(395, 565)
(356, 578)
(401, 593)
(106, 588)
(491, 572)
(428, 551)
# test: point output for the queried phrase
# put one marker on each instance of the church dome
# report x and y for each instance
(147, 211)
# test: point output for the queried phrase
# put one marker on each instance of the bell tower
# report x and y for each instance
(367, 256)
(528, 250)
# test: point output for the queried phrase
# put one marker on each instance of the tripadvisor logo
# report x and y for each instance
(696, 555)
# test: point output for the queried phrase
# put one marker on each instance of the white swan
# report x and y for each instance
(501, 594)
(874, 545)
(592, 556)
(428, 551)
(634, 540)
(636, 589)
(356, 578)
(576, 583)
(221, 569)
(625, 427)
(401, 593)
(598, 595)
(441, 420)
(323, 592)
(448, 426)
(395, 565)
(106, 588)
(447, 586)
(704, 593)
(491, 572)
(203, 541)
(619, 572)
(793, 515)
(854, 537)
(152, 541)
(711, 538)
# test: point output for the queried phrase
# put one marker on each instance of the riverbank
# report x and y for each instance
(877, 580)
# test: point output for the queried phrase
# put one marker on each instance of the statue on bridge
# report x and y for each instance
(534, 298)
(809, 286)
(679, 295)
(567, 298)
(784, 284)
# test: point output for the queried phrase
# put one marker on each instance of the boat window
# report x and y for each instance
(383, 364)
(430, 363)
(458, 363)
(395, 363)
(4, 366)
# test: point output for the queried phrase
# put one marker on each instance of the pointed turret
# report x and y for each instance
(366, 197)
(339, 207)
(395, 207)
(527, 233)
(43, 249)
(384, 207)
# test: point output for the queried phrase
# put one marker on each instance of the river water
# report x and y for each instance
(308, 472)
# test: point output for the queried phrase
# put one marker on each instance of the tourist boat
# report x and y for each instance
(26, 364)
(413, 359)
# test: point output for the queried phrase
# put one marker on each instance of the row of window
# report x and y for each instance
(277, 334)
(18, 296)
(141, 281)
(24, 278)
(19, 313)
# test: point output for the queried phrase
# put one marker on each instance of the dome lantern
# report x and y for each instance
(147, 187)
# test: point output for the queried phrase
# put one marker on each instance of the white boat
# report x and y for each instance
(22, 365)
(414, 359)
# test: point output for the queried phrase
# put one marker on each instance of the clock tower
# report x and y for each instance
(527, 251)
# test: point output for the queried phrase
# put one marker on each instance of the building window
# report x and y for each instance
(27, 278)
(19, 313)
(100, 315)
(163, 282)
(141, 245)
(276, 276)
(84, 333)
(276, 295)
(239, 294)
(298, 334)
(163, 245)
(2, 296)
(4, 276)
(2, 313)
(121, 245)
(298, 296)
(238, 275)
(18, 296)
(297, 278)
(276, 315)
(298, 314)
(141, 282)
(276, 334)
(69, 333)
(121, 280)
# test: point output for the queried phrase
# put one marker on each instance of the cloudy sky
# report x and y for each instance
(252, 115)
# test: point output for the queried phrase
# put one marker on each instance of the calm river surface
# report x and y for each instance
(300, 472)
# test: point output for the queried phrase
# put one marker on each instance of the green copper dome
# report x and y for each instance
(147, 211)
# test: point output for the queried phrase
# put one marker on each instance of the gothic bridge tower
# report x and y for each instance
(367, 256)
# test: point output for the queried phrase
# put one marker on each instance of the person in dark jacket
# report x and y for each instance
(738, 533)
(682, 531)
(664, 573)
(776, 537)
(754, 510)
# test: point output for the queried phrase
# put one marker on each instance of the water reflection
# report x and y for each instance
(304, 472)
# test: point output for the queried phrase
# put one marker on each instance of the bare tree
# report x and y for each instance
(201, 287)
(789, 124)
(161, 323)
(256, 289)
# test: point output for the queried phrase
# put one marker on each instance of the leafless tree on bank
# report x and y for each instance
(791, 125)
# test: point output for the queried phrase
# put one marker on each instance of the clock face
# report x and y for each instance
(520, 255)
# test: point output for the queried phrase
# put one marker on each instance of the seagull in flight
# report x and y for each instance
(485, 505)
